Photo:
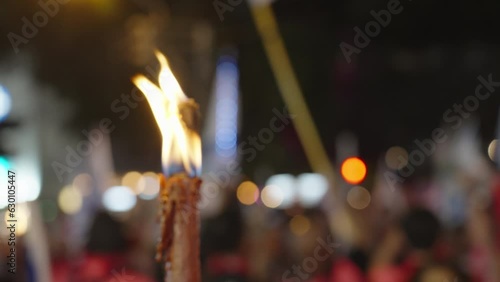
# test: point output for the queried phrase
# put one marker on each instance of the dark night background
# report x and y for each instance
(444, 46)
(395, 91)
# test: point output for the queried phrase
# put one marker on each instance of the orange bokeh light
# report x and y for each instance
(353, 170)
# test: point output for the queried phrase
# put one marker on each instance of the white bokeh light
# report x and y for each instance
(149, 186)
(5, 103)
(492, 149)
(4, 169)
(119, 199)
(226, 114)
(284, 187)
(311, 188)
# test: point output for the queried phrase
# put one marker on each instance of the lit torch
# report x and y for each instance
(177, 118)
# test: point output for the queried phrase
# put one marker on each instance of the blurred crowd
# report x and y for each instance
(410, 239)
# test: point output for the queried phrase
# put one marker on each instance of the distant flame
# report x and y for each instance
(181, 144)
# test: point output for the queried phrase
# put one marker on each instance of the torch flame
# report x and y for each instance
(181, 144)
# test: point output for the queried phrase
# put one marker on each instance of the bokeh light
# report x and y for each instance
(149, 186)
(359, 197)
(284, 186)
(311, 188)
(70, 200)
(4, 168)
(5, 103)
(247, 193)
(104, 7)
(492, 148)
(353, 170)
(22, 215)
(299, 225)
(4, 164)
(32, 177)
(226, 114)
(396, 158)
(271, 196)
(131, 179)
(119, 199)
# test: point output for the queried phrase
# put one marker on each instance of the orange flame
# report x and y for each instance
(181, 144)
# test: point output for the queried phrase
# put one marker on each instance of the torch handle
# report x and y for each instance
(183, 252)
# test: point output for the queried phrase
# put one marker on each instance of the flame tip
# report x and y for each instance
(181, 144)
(136, 77)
